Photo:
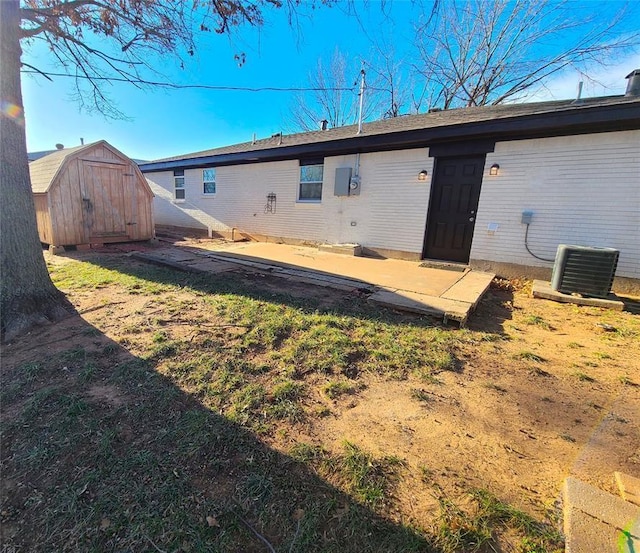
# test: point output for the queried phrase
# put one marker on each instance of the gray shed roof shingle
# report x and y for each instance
(44, 169)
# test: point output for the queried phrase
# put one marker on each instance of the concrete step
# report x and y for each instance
(447, 309)
(470, 288)
(629, 487)
(542, 289)
(344, 249)
(597, 521)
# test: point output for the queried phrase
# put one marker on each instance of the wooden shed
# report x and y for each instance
(90, 194)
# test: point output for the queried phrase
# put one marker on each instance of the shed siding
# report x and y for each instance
(117, 207)
(138, 206)
(63, 194)
(582, 190)
(74, 176)
(390, 212)
(43, 218)
(102, 152)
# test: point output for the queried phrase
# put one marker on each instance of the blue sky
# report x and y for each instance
(169, 122)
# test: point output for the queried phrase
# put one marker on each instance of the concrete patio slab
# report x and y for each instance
(629, 487)
(470, 288)
(598, 521)
(449, 310)
(388, 273)
(542, 289)
(398, 284)
(213, 266)
(178, 255)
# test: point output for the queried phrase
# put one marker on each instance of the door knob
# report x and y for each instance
(472, 219)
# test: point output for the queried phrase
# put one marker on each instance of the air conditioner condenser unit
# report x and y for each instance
(584, 270)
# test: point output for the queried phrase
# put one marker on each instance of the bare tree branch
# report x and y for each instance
(335, 99)
(478, 52)
(126, 39)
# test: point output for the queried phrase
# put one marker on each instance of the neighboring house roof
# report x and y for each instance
(32, 156)
(507, 121)
(44, 169)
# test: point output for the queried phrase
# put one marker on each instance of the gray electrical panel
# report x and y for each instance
(527, 216)
(343, 178)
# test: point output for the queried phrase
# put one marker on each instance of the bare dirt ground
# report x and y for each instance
(557, 393)
(540, 391)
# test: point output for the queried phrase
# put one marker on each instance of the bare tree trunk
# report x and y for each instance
(28, 297)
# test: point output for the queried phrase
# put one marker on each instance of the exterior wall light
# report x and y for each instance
(422, 175)
(495, 170)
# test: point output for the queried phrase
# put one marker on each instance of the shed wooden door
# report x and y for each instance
(452, 209)
(103, 201)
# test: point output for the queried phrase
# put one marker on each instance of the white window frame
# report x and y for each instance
(310, 163)
(209, 181)
(178, 176)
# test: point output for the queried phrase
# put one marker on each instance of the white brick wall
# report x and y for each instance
(583, 190)
(389, 213)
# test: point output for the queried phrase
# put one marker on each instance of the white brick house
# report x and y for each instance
(449, 185)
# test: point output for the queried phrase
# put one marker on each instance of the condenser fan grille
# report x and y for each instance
(584, 270)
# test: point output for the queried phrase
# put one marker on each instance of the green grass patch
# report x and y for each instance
(422, 396)
(536, 320)
(164, 445)
(529, 356)
(476, 528)
(495, 387)
(370, 479)
(336, 388)
(367, 478)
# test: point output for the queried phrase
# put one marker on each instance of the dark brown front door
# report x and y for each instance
(452, 209)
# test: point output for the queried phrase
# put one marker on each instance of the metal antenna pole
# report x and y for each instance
(361, 100)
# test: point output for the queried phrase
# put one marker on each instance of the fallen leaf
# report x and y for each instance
(298, 514)
(341, 511)
(212, 521)
(105, 523)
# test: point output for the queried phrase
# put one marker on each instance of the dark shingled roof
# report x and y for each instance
(434, 121)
